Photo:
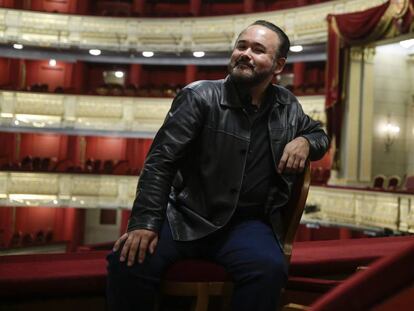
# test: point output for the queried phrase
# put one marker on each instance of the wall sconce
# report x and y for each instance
(390, 131)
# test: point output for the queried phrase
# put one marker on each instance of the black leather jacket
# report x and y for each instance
(194, 169)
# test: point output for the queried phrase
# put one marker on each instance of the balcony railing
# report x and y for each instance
(365, 208)
(303, 25)
(68, 190)
(353, 207)
(72, 114)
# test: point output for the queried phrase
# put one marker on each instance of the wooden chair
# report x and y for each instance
(209, 279)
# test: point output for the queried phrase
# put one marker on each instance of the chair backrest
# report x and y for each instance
(295, 208)
(393, 182)
(379, 181)
(409, 183)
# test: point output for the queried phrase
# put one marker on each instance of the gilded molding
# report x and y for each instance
(71, 190)
(356, 53)
(369, 54)
(363, 208)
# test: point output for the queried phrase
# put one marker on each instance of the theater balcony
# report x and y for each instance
(98, 115)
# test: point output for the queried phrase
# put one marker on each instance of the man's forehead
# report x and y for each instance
(260, 34)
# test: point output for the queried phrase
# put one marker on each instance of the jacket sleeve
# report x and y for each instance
(313, 132)
(181, 126)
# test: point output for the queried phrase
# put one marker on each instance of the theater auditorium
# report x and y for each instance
(86, 84)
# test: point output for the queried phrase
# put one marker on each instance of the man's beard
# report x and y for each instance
(251, 80)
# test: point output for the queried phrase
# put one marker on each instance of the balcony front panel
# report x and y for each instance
(363, 208)
(66, 190)
(357, 208)
(133, 116)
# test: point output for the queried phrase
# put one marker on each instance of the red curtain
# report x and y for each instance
(358, 28)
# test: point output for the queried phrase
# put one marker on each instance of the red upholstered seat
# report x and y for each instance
(409, 184)
(121, 168)
(393, 182)
(196, 271)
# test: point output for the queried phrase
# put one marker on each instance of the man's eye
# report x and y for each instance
(258, 51)
(241, 47)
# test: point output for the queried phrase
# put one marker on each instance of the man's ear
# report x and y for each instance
(280, 64)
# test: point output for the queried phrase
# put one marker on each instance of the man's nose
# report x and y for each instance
(247, 53)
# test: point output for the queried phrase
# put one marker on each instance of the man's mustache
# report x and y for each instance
(242, 62)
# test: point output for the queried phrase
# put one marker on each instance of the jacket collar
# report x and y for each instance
(234, 97)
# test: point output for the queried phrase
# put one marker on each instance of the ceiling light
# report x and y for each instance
(199, 54)
(20, 196)
(18, 46)
(407, 43)
(148, 54)
(95, 52)
(119, 74)
(296, 48)
(52, 62)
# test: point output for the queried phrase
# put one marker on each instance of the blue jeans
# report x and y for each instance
(247, 249)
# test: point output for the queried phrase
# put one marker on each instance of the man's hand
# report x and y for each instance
(294, 156)
(139, 240)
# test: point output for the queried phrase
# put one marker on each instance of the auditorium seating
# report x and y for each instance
(132, 90)
(21, 239)
(409, 184)
(393, 182)
(308, 80)
(92, 166)
(16, 240)
(379, 182)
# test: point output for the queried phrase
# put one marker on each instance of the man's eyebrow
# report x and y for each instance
(254, 43)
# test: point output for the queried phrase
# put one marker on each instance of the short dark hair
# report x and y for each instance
(284, 39)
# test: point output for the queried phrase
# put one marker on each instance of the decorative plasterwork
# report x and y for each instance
(66, 190)
(134, 115)
(363, 208)
(306, 24)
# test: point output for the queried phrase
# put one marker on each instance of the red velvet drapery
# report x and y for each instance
(359, 28)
